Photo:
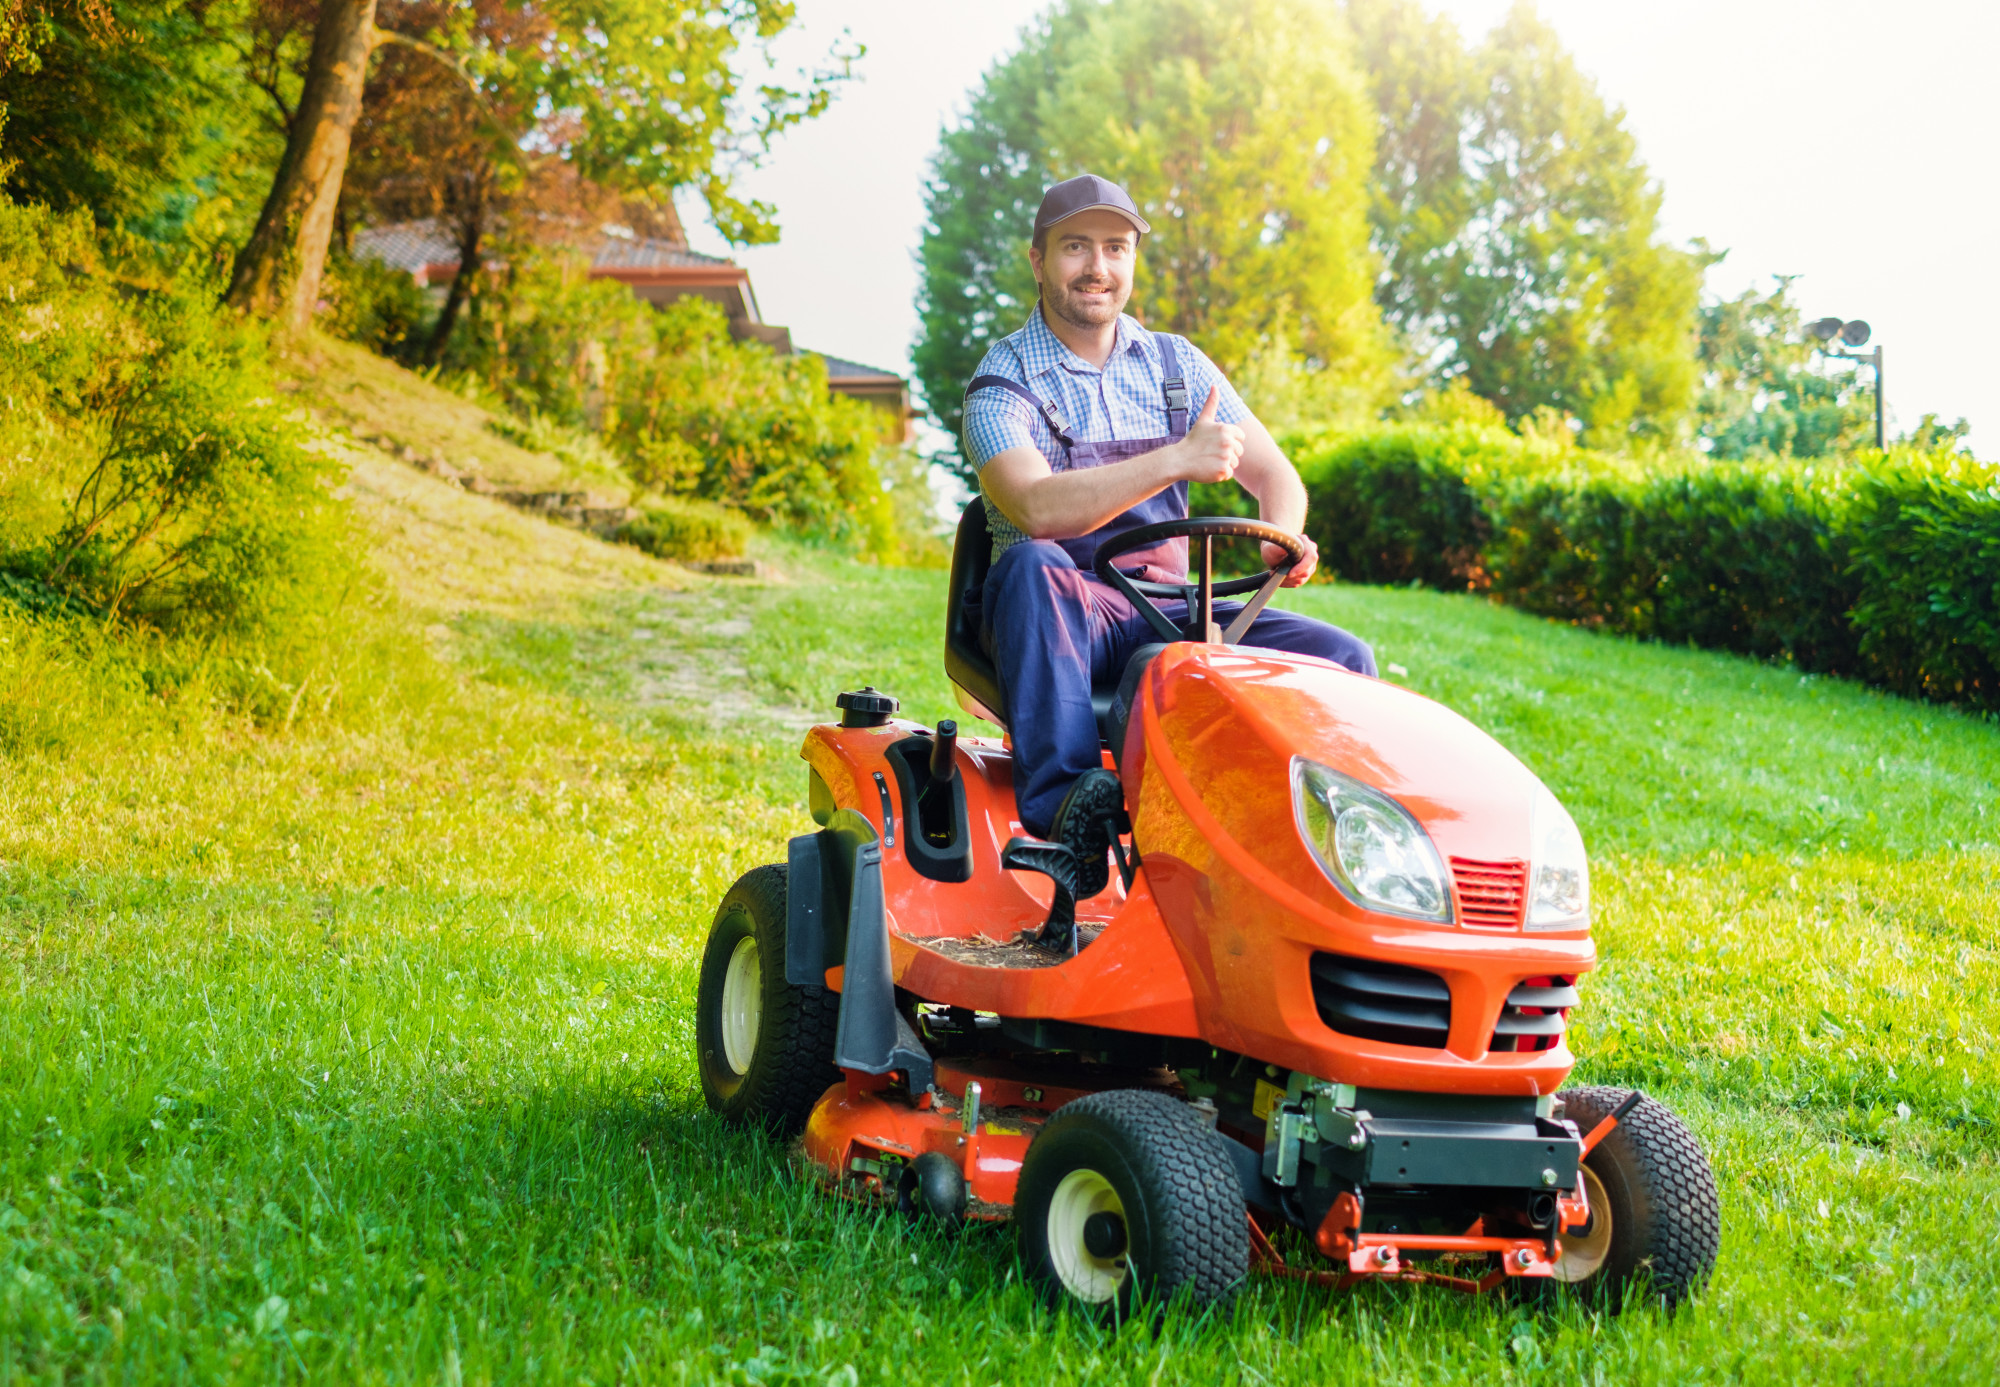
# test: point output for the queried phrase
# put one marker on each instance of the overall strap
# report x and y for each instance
(1049, 412)
(1174, 386)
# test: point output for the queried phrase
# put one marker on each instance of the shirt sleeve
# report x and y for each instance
(996, 420)
(1203, 374)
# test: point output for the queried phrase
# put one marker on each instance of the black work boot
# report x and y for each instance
(1090, 820)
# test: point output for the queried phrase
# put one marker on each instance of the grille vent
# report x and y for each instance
(1382, 1001)
(1536, 1012)
(1490, 894)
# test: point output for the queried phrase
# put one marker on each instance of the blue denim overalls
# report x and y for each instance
(1053, 628)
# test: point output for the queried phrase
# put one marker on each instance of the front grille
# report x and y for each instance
(1490, 893)
(1536, 1012)
(1382, 1001)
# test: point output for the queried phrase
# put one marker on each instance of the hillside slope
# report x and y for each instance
(353, 1042)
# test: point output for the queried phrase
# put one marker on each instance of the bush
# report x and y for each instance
(732, 422)
(1926, 547)
(1731, 559)
(374, 306)
(1888, 571)
(146, 471)
(683, 529)
(690, 411)
(550, 341)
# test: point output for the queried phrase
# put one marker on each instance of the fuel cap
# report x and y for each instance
(865, 707)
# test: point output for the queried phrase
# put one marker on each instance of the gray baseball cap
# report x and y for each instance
(1087, 193)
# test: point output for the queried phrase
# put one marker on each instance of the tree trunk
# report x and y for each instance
(278, 272)
(470, 262)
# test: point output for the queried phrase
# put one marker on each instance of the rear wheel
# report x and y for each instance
(1125, 1198)
(1655, 1219)
(763, 1045)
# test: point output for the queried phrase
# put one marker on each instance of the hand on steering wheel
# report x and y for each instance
(1293, 552)
(1301, 572)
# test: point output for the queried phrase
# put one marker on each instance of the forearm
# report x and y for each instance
(1281, 501)
(1267, 474)
(1063, 505)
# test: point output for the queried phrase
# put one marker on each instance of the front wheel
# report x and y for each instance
(1125, 1197)
(764, 1046)
(1655, 1218)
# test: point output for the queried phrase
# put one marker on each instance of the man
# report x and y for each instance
(1080, 427)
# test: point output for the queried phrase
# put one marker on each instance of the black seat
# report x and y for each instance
(965, 663)
(969, 667)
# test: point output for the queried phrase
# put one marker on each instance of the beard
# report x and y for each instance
(1067, 303)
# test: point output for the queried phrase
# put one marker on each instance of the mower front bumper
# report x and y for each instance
(1334, 1135)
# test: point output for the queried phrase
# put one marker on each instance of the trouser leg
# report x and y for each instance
(1045, 628)
(1302, 635)
(1272, 630)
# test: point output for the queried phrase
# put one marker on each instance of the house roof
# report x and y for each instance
(839, 369)
(657, 270)
(416, 245)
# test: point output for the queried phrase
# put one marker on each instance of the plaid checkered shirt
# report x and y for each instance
(1124, 400)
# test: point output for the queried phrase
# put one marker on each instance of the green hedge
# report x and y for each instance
(1886, 570)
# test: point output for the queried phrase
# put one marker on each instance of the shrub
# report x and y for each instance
(733, 422)
(1735, 559)
(690, 411)
(1926, 547)
(1886, 571)
(676, 528)
(374, 306)
(147, 471)
(1398, 506)
(548, 340)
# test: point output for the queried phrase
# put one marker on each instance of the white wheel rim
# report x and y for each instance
(1085, 1275)
(1584, 1254)
(742, 1005)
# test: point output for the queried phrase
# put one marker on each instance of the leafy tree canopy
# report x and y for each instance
(1763, 395)
(1242, 130)
(137, 111)
(1518, 227)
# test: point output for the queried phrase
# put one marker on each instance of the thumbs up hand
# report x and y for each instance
(1211, 450)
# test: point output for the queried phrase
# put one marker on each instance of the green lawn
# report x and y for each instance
(355, 1045)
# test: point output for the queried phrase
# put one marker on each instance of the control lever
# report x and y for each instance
(944, 751)
(934, 799)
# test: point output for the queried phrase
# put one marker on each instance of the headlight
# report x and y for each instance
(1559, 896)
(1369, 845)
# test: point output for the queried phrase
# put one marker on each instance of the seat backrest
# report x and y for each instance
(966, 664)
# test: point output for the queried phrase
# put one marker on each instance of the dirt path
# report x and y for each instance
(679, 655)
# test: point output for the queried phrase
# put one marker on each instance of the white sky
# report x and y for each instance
(1851, 143)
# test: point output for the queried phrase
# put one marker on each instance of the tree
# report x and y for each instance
(278, 271)
(1244, 134)
(1760, 396)
(1518, 228)
(431, 144)
(29, 26)
(986, 181)
(138, 117)
(631, 94)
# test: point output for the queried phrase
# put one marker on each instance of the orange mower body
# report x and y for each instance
(1315, 1025)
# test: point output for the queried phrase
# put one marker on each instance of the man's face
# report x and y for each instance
(1086, 270)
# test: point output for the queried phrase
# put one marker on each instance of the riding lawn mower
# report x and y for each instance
(1314, 1025)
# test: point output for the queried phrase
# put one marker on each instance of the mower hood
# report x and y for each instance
(1229, 721)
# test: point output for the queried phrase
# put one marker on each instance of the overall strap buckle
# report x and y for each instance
(1056, 425)
(1049, 412)
(1175, 386)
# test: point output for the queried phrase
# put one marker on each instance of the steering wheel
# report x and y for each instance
(1200, 595)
